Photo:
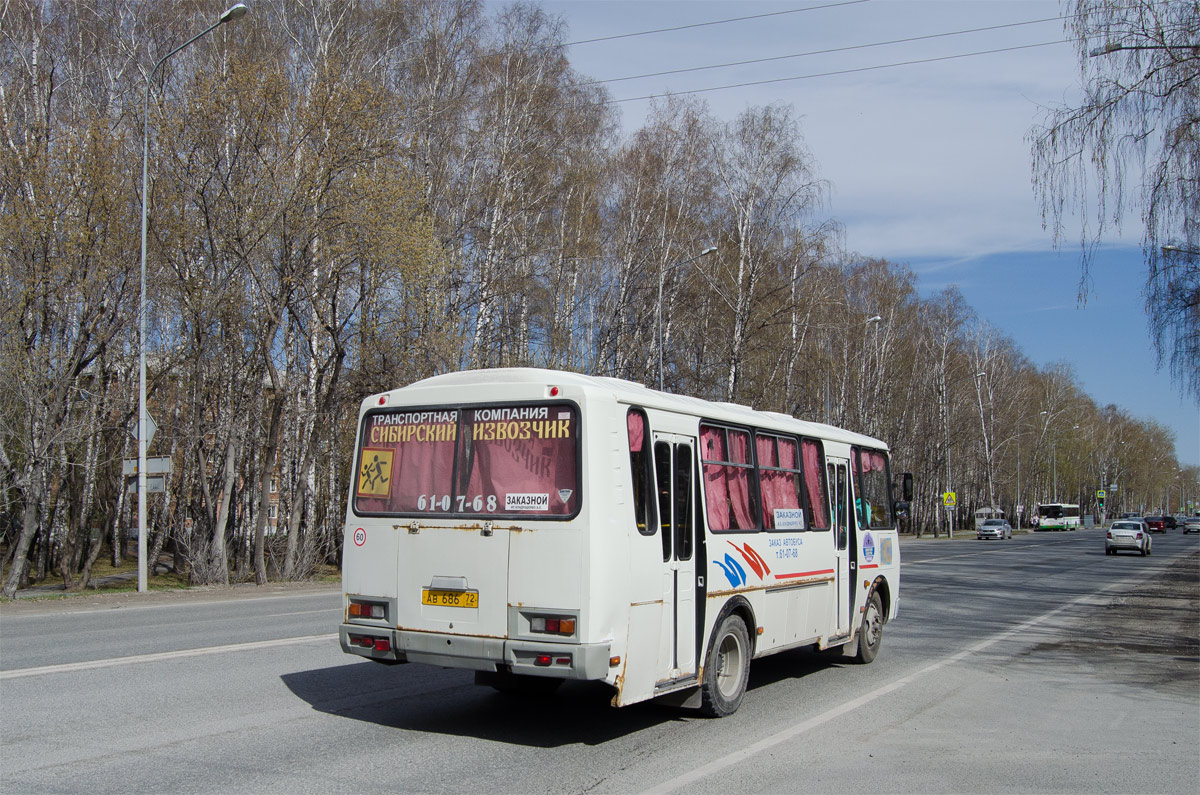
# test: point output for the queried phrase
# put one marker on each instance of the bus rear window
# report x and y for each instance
(513, 461)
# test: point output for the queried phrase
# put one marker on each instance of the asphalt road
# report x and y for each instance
(1036, 664)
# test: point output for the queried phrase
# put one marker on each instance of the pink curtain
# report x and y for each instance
(418, 468)
(779, 489)
(637, 431)
(421, 450)
(738, 480)
(727, 487)
(712, 446)
(814, 480)
(525, 466)
(872, 461)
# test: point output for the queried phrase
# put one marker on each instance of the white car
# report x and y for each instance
(995, 528)
(1127, 534)
(1191, 525)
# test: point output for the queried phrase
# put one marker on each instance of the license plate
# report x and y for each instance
(449, 598)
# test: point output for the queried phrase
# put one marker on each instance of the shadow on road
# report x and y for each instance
(446, 701)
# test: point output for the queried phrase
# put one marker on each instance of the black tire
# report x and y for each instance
(518, 684)
(726, 668)
(1145, 552)
(870, 633)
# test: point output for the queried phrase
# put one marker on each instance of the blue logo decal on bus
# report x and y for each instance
(868, 548)
(733, 570)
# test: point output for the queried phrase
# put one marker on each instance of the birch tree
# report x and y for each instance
(1131, 146)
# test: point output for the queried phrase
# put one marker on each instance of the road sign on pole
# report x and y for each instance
(155, 484)
(160, 465)
(949, 499)
(151, 427)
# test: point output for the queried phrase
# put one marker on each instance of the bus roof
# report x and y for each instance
(632, 393)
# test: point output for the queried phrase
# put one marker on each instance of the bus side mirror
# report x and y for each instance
(901, 507)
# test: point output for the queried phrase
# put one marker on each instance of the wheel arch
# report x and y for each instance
(735, 605)
(881, 586)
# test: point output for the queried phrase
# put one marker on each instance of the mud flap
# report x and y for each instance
(851, 649)
(688, 698)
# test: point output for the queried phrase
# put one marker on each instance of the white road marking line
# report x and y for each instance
(729, 760)
(302, 613)
(63, 668)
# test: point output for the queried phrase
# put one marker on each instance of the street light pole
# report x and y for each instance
(987, 453)
(662, 277)
(232, 13)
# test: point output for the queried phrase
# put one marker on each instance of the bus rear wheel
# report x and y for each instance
(870, 634)
(726, 669)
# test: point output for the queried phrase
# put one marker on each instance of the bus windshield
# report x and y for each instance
(513, 461)
(1052, 511)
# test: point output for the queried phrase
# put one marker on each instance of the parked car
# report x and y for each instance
(1131, 515)
(995, 528)
(1155, 524)
(1127, 534)
(1191, 525)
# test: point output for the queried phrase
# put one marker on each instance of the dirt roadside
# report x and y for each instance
(1150, 634)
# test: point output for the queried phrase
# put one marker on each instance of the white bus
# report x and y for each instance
(537, 526)
(1058, 516)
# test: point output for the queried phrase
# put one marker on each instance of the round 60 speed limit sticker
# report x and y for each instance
(360, 536)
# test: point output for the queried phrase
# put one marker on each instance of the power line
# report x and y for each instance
(821, 52)
(834, 73)
(715, 22)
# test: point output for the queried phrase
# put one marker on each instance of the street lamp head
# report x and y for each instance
(233, 12)
(708, 251)
(980, 375)
(874, 319)
(1111, 46)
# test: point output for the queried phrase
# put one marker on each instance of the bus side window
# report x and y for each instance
(816, 493)
(639, 469)
(728, 478)
(683, 502)
(872, 480)
(662, 471)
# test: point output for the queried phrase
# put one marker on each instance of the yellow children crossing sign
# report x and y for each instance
(375, 473)
(949, 499)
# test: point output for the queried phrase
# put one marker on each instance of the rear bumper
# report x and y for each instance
(1122, 543)
(566, 660)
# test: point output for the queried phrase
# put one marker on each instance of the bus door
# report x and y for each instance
(839, 487)
(674, 468)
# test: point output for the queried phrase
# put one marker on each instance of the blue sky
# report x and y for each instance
(930, 162)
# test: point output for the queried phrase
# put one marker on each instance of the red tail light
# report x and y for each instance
(367, 610)
(553, 625)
